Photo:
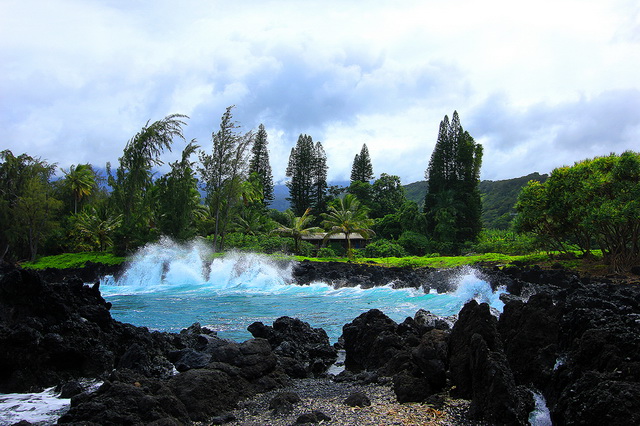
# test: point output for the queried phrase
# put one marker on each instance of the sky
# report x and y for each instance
(540, 84)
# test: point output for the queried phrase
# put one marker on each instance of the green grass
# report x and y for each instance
(439, 261)
(78, 260)
(73, 260)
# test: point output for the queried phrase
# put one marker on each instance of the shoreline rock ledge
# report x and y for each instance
(571, 340)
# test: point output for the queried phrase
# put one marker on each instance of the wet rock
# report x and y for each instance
(413, 354)
(357, 399)
(313, 417)
(188, 358)
(342, 274)
(127, 403)
(208, 392)
(370, 341)
(283, 403)
(530, 335)
(302, 351)
(430, 321)
(479, 369)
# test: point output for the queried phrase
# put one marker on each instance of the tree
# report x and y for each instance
(596, 200)
(298, 227)
(307, 170)
(94, 228)
(26, 204)
(387, 195)
(452, 204)
(223, 172)
(35, 211)
(81, 181)
(347, 216)
(132, 184)
(319, 170)
(178, 197)
(260, 165)
(362, 170)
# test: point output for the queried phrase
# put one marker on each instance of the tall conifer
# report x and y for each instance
(362, 170)
(452, 204)
(307, 170)
(259, 164)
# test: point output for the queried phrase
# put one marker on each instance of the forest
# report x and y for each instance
(223, 192)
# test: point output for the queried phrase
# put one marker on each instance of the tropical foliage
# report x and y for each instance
(347, 216)
(224, 195)
(595, 203)
(297, 227)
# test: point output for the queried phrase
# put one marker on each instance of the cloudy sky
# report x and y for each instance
(539, 84)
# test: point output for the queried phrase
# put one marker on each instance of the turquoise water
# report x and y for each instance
(169, 287)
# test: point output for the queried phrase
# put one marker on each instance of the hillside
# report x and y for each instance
(498, 197)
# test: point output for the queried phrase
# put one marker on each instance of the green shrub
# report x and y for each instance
(325, 252)
(261, 243)
(507, 242)
(384, 248)
(416, 244)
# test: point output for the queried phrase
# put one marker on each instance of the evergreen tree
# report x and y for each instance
(223, 172)
(319, 190)
(362, 170)
(259, 164)
(307, 170)
(452, 205)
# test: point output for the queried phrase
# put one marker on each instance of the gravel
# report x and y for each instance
(328, 397)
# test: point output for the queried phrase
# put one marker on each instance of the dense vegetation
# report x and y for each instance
(593, 204)
(591, 207)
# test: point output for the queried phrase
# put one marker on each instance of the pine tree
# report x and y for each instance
(319, 191)
(259, 164)
(223, 172)
(307, 170)
(362, 170)
(452, 205)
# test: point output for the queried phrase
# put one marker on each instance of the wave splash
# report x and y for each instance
(169, 286)
(169, 266)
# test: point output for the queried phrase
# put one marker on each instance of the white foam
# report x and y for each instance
(42, 408)
(540, 416)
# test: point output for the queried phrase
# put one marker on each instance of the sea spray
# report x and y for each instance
(470, 286)
(36, 408)
(169, 286)
(540, 416)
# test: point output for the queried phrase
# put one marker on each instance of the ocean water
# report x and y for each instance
(169, 287)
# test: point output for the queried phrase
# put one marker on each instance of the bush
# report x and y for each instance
(260, 243)
(416, 244)
(326, 252)
(384, 248)
(506, 242)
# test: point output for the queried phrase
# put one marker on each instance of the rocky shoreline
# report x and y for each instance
(572, 340)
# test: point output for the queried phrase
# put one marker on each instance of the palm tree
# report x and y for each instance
(298, 228)
(81, 180)
(96, 227)
(347, 216)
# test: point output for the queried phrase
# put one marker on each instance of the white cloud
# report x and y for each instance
(536, 83)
